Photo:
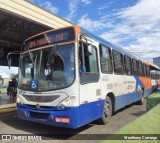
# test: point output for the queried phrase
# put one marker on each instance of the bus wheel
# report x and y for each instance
(141, 101)
(107, 111)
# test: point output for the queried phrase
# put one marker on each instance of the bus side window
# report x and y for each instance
(118, 62)
(106, 59)
(140, 71)
(148, 71)
(144, 70)
(128, 65)
(91, 64)
(135, 67)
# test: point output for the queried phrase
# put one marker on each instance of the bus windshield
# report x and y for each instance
(47, 69)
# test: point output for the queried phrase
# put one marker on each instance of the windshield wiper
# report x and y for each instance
(54, 50)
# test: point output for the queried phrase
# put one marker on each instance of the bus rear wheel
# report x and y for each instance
(141, 101)
(107, 111)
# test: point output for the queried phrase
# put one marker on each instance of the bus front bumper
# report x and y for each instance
(64, 118)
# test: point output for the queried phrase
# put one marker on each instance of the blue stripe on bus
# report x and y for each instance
(90, 112)
(127, 99)
(147, 92)
(138, 82)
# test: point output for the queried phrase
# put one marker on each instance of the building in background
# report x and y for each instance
(157, 61)
(4, 78)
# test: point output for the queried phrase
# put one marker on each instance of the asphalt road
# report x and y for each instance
(10, 124)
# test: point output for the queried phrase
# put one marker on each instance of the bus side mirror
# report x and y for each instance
(9, 60)
(90, 49)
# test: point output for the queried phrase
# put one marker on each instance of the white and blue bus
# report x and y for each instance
(69, 77)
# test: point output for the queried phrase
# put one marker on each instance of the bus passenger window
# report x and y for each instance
(135, 67)
(140, 69)
(128, 65)
(118, 62)
(148, 71)
(144, 69)
(106, 59)
(90, 65)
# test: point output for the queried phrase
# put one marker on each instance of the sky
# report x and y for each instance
(132, 24)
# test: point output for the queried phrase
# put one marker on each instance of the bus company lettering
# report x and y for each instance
(129, 82)
(129, 87)
(117, 84)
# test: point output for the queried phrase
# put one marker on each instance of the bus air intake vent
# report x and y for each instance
(35, 98)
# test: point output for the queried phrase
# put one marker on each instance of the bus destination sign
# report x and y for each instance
(62, 35)
(48, 39)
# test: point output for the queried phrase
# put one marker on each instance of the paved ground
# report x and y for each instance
(5, 99)
(10, 124)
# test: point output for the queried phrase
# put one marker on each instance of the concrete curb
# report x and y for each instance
(8, 108)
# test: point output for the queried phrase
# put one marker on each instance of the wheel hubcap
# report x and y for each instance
(107, 110)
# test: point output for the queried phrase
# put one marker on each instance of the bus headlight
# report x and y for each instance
(65, 103)
(18, 100)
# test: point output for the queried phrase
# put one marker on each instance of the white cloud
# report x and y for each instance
(113, 37)
(48, 6)
(145, 12)
(92, 25)
(86, 1)
(140, 24)
(73, 6)
(105, 6)
(136, 28)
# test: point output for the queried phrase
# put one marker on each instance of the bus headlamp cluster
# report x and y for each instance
(18, 100)
(66, 102)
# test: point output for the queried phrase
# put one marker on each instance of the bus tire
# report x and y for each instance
(107, 111)
(141, 101)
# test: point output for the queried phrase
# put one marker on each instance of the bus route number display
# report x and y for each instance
(48, 39)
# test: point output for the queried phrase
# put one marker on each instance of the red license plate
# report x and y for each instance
(62, 120)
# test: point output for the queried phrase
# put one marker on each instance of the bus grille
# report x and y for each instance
(41, 99)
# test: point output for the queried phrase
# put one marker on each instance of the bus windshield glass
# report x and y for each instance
(47, 69)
